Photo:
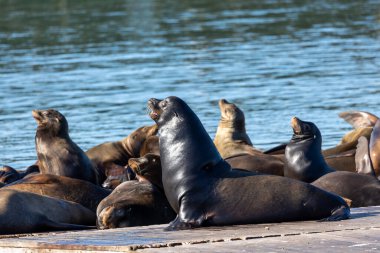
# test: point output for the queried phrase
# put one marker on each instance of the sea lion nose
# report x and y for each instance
(294, 121)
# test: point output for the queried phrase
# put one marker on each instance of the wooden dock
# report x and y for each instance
(361, 233)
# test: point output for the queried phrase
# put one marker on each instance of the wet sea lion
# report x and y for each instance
(304, 161)
(362, 158)
(134, 203)
(25, 212)
(109, 155)
(303, 156)
(116, 175)
(57, 153)
(235, 146)
(374, 148)
(147, 168)
(203, 190)
(362, 190)
(82, 192)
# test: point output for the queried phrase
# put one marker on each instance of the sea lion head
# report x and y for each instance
(134, 142)
(51, 121)
(147, 167)
(8, 175)
(133, 203)
(231, 113)
(169, 110)
(303, 130)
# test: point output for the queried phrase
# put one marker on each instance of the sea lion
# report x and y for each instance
(203, 190)
(231, 138)
(117, 176)
(303, 156)
(82, 192)
(359, 119)
(374, 148)
(109, 155)
(362, 190)
(147, 168)
(134, 203)
(150, 146)
(25, 212)
(362, 158)
(57, 153)
(235, 146)
(9, 174)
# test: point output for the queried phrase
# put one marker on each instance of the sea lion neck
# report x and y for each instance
(304, 160)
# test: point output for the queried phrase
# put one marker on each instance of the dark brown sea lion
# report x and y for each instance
(82, 192)
(305, 162)
(203, 190)
(362, 190)
(235, 146)
(117, 176)
(374, 148)
(134, 203)
(109, 155)
(150, 146)
(57, 153)
(147, 168)
(25, 212)
(303, 156)
(9, 174)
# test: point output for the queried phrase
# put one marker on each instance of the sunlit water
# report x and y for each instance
(98, 62)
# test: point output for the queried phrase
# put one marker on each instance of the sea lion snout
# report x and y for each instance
(153, 105)
(295, 125)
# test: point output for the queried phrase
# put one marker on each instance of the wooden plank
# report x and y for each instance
(362, 229)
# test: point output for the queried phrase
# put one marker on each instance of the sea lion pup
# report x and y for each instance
(79, 191)
(235, 146)
(203, 190)
(303, 156)
(109, 155)
(134, 203)
(57, 153)
(147, 168)
(25, 212)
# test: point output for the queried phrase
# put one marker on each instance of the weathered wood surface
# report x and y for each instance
(359, 234)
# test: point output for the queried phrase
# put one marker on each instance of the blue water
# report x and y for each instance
(98, 62)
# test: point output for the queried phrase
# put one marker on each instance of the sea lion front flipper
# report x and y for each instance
(341, 213)
(359, 119)
(279, 149)
(362, 158)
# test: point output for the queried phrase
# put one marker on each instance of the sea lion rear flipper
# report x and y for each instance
(280, 149)
(358, 118)
(341, 213)
(362, 158)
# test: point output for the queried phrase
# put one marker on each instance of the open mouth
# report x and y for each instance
(295, 125)
(153, 107)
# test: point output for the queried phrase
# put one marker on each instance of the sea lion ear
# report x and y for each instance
(362, 158)
(176, 114)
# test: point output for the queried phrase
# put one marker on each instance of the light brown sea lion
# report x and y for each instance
(235, 146)
(231, 138)
(204, 191)
(134, 203)
(82, 192)
(25, 212)
(109, 155)
(57, 153)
